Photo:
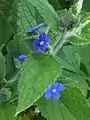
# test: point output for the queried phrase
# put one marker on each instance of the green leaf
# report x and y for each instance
(75, 102)
(83, 70)
(85, 58)
(65, 4)
(7, 93)
(26, 16)
(10, 66)
(47, 12)
(5, 21)
(2, 66)
(77, 7)
(74, 69)
(5, 30)
(55, 4)
(39, 71)
(18, 46)
(80, 34)
(7, 112)
(86, 6)
(68, 59)
(54, 110)
(71, 106)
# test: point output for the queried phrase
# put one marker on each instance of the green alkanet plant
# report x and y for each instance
(54, 81)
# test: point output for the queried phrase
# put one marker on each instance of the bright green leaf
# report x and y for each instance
(39, 71)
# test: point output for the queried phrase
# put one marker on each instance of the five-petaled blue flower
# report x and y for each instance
(35, 29)
(21, 57)
(41, 44)
(54, 91)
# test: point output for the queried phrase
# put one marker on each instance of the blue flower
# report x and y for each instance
(35, 29)
(21, 57)
(41, 44)
(54, 91)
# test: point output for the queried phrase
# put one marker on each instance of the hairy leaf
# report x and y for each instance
(71, 106)
(38, 73)
(48, 13)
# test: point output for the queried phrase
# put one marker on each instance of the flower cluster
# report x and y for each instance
(54, 91)
(40, 44)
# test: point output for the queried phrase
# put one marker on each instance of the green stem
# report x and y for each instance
(59, 43)
(13, 100)
(31, 37)
(14, 77)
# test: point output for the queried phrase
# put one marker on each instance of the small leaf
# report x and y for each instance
(80, 35)
(77, 7)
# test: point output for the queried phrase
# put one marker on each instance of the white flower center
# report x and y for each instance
(41, 43)
(53, 90)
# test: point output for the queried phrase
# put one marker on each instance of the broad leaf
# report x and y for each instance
(26, 16)
(54, 110)
(18, 46)
(68, 59)
(7, 112)
(85, 58)
(39, 71)
(71, 106)
(47, 12)
(75, 102)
